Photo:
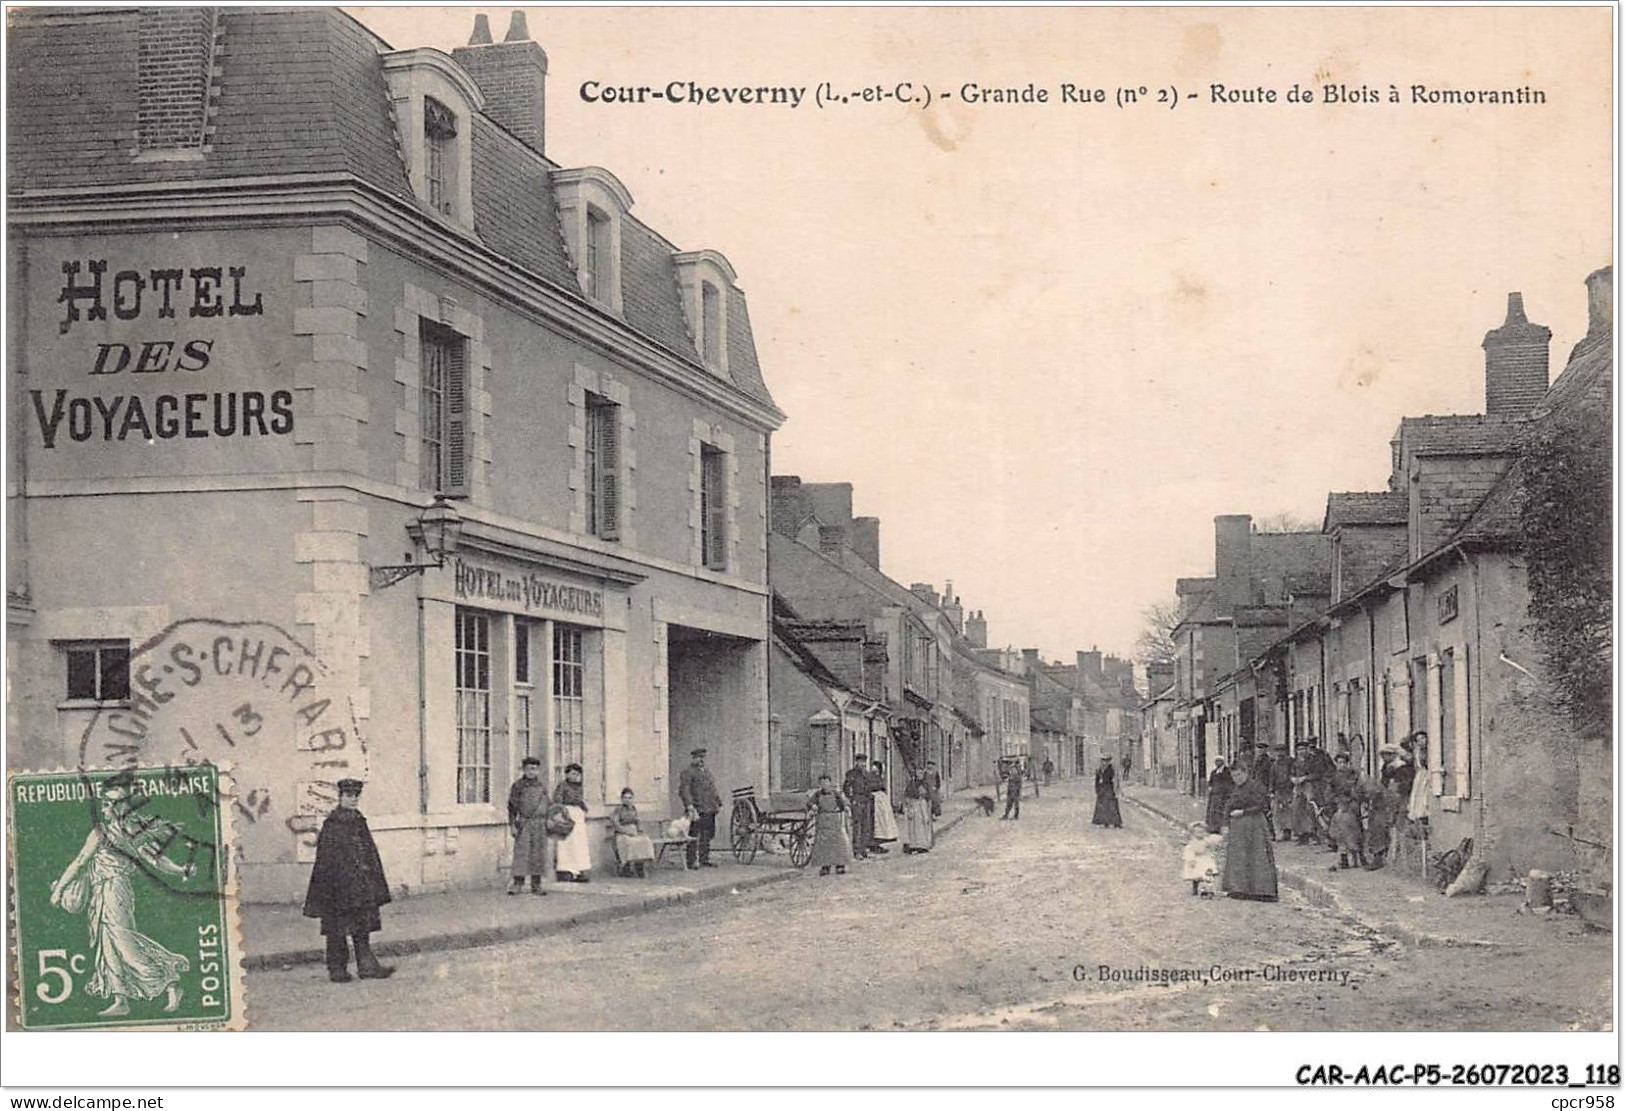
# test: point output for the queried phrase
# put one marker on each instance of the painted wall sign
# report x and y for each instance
(1449, 606)
(88, 294)
(530, 591)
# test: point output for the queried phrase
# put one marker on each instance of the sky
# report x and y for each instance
(1048, 343)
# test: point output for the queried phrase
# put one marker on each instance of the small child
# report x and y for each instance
(1201, 863)
(1348, 833)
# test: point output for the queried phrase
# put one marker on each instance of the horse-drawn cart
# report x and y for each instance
(785, 827)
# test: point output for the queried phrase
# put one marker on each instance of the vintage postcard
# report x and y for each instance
(124, 900)
(816, 519)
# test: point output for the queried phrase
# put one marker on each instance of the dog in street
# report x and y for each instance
(985, 804)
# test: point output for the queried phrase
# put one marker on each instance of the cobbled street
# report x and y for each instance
(988, 931)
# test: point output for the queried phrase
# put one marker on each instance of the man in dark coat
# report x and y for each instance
(1282, 772)
(1012, 792)
(698, 791)
(347, 886)
(858, 790)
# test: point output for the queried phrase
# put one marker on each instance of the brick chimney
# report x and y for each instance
(790, 508)
(513, 76)
(175, 51)
(976, 630)
(1159, 677)
(1089, 666)
(1030, 663)
(951, 606)
(924, 592)
(1516, 357)
(1233, 558)
(1600, 301)
(866, 539)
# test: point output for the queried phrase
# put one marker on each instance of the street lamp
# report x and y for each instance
(438, 529)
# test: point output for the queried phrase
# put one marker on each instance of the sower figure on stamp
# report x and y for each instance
(127, 963)
(698, 792)
(527, 816)
(347, 886)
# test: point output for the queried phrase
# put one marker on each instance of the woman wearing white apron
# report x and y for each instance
(885, 820)
(574, 857)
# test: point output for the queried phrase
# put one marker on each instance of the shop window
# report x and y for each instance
(473, 658)
(97, 671)
(443, 410)
(714, 507)
(440, 155)
(602, 466)
(569, 699)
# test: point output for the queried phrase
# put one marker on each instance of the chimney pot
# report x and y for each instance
(517, 29)
(482, 30)
(1515, 309)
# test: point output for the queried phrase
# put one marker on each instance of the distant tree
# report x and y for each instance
(1285, 522)
(1155, 644)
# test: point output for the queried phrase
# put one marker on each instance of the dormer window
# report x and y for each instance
(706, 279)
(597, 266)
(711, 325)
(435, 102)
(592, 209)
(440, 154)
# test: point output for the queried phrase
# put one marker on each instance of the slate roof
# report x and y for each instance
(1471, 434)
(302, 91)
(1366, 508)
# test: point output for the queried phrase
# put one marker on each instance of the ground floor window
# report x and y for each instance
(473, 659)
(569, 699)
(97, 671)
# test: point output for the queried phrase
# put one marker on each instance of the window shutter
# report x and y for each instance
(1464, 745)
(1434, 717)
(457, 438)
(609, 470)
(716, 506)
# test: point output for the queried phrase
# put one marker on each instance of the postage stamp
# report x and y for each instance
(125, 896)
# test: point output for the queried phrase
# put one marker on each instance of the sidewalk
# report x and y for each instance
(1390, 903)
(278, 936)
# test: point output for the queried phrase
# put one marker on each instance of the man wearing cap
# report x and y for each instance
(527, 816)
(347, 886)
(698, 791)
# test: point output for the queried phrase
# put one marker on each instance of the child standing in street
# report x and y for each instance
(1348, 833)
(1201, 863)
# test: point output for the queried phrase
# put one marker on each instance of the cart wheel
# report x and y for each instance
(801, 847)
(744, 844)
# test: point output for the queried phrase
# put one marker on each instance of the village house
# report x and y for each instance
(354, 435)
(1441, 638)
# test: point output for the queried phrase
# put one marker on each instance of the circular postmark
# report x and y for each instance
(243, 694)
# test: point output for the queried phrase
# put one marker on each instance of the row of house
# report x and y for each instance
(864, 666)
(355, 435)
(1409, 610)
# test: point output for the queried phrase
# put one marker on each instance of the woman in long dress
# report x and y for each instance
(126, 962)
(574, 855)
(885, 819)
(1219, 786)
(919, 834)
(1106, 810)
(832, 848)
(1249, 856)
(632, 848)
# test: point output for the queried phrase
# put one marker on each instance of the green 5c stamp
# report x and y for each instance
(125, 899)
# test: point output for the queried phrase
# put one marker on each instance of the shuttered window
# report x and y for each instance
(714, 507)
(443, 410)
(602, 464)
